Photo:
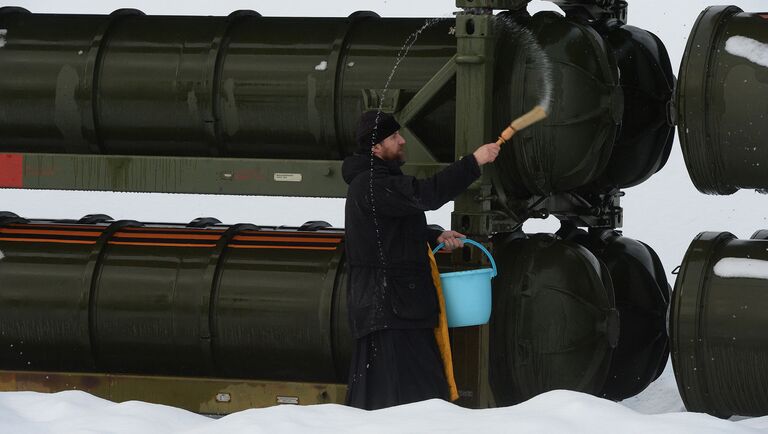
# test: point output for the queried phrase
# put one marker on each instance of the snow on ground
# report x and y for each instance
(559, 411)
(661, 396)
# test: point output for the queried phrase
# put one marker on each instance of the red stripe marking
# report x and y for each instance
(184, 230)
(171, 236)
(43, 232)
(11, 170)
(307, 239)
(246, 246)
(47, 240)
(130, 243)
(56, 226)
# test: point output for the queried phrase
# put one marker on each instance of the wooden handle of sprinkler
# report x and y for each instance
(538, 113)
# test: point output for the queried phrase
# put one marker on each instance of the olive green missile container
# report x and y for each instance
(241, 85)
(722, 101)
(246, 86)
(125, 297)
(717, 325)
(577, 311)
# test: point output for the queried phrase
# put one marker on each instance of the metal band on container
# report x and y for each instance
(210, 100)
(90, 280)
(211, 279)
(90, 87)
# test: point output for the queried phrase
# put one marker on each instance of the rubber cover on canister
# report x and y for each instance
(572, 146)
(554, 324)
(642, 299)
(647, 132)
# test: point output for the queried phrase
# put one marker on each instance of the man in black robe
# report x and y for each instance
(392, 302)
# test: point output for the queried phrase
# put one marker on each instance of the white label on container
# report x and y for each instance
(288, 400)
(288, 177)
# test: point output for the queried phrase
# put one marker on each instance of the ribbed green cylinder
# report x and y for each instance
(722, 101)
(717, 325)
(123, 297)
(243, 85)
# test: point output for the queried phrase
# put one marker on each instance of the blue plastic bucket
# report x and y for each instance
(468, 293)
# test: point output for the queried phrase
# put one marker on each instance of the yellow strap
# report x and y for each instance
(441, 332)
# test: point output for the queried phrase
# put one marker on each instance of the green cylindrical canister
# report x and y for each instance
(126, 297)
(240, 85)
(722, 101)
(717, 325)
(293, 88)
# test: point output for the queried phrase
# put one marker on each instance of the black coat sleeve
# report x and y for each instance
(403, 195)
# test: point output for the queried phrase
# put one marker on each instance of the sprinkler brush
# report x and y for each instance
(538, 113)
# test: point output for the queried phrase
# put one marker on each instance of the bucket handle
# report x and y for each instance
(476, 244)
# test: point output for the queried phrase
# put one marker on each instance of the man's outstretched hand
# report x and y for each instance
(452, 240)
(487, 153)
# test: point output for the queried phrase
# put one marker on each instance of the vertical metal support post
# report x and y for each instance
(471, 215)
(474, 91)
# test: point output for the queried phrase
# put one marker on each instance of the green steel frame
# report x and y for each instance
(236, 176)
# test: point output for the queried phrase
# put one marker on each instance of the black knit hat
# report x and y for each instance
(373, 127)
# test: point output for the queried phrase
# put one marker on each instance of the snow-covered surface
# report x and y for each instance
(741, 267)
(322, 66)
(665, 212)
(553, 412)
(748, 48)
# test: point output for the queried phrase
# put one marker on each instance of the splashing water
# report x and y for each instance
(406, 47)
(536, 57)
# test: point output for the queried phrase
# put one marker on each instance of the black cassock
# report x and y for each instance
(391, 299)
(393, 367)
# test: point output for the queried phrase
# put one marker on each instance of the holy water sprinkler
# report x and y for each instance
(538, 113)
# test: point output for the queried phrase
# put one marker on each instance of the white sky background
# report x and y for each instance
(665, 212)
